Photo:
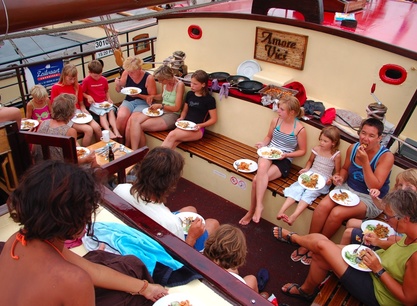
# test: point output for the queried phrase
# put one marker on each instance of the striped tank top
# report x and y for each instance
(285, 142)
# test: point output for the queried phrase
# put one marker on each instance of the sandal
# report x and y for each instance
(301, 294)
(297, 256)
(282, 239)
(306, 260)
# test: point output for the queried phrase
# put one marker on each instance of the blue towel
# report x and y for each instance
(164, 269)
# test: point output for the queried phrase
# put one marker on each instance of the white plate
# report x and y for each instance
(27, 124)
(253, 166)
(248, 68)
(82, 120)
(145, 112)
(321, 182)
(179, 297)
(184, 215)
(131, 91)
(103, 105)
(353, 199)
(375, 223)
(82, 152)
(190, 126)
(350, 248)
(266, 152)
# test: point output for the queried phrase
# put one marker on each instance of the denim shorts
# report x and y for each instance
(298, 192)
(135, 106)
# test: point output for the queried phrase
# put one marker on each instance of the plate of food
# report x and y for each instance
(82, 152)
(131, 91)
(381, 229)
(185, 125)
(178, 299)
(27, 124)
(103, 105)
(344, 197)
(245, 165)
(355, 259)
(187, 218)
(82, 118)
(152, 112)
(311, 181)
(269, 152)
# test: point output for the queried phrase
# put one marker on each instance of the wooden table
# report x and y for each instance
(102, 159)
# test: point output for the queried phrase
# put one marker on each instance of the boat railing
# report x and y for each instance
(16, 77)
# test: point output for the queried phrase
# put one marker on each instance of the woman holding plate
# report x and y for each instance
(287, 134)
(392, 281)
(198, 113)
(137, 85)
(367, 166)
(162, 115)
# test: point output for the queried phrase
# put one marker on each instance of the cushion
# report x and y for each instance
(348, 118)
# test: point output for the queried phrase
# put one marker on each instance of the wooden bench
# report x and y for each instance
(333, 293)
(223, 151)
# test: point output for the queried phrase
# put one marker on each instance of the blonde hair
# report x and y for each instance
(293, 105)
(38, 92)
(409, 176)
(163, 73)
(132, 63)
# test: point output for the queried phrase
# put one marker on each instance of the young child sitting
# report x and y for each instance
(324, 158)
(227, 248)
(96, 92)
(353, 233)
(39, 108)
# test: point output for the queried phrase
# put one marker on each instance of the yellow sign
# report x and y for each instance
(282, 48)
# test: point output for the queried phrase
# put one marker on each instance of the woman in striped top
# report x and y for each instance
(287, 134)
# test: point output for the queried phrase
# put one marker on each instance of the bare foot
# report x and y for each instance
(112, 135)
(290, 220)
(246, 219)
(258, 213)
(280, 215)
(283, 217)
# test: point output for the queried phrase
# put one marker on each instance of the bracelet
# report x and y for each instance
(379, 273)
(141, 291)
(162, 107)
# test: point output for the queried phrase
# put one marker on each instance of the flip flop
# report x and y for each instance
(306, 260)
(282, 239)
(297, 256)
(301, 294)
(262, 278)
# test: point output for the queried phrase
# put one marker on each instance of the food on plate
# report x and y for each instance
(80, 115)
(152, 112)
(105, 105)
(380, 230)
(81, 152)
(277, 92)
(244, 166)
(183, 124)
(356, 258)
(27, 125)
(180, 303)
(272, 153)
(186, 223)
(310, 181)
(133, 91)
(342, 196)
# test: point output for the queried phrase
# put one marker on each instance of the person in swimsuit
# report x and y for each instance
(54, 202)
(367, 166)
(39, 108)
(133, 76)
(172, 101)
(287, 134)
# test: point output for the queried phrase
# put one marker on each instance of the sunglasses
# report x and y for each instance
(386, 217)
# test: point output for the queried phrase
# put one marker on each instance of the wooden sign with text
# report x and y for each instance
(282, 48)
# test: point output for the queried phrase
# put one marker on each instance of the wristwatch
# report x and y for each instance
(162, 107)
(379, 273)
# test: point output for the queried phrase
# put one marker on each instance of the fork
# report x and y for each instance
(357, 249)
